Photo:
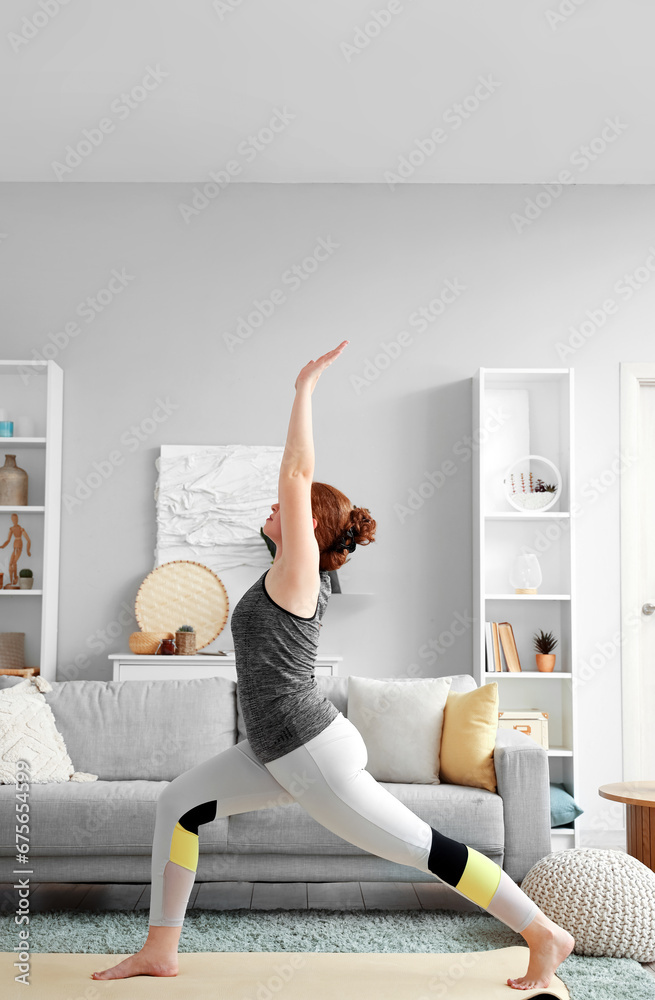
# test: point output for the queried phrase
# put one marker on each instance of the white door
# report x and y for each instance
(638, 569)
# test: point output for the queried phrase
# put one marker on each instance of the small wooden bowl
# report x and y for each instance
(147, 642)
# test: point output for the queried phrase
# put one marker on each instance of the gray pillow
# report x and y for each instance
(154, 730)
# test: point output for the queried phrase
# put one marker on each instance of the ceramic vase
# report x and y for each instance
(13, 484)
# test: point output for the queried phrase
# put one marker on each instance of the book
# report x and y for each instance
(496, 646)
(488, 648)
(506, 635)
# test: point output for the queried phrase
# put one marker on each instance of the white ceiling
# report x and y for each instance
(558, 72)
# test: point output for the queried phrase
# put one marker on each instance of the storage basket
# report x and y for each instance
(12, 650)
(185, 643)
(147, 642)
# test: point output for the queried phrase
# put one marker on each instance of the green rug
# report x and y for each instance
(441, 931)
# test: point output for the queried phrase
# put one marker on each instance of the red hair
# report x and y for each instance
(335, 515)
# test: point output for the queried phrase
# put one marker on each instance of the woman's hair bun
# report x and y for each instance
(363, 525)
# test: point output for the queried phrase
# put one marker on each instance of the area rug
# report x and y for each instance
(446, 932)
(293, 975)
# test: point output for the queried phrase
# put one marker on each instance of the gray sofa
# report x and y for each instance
(138, 735)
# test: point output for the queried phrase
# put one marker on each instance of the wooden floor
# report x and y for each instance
(252, 895)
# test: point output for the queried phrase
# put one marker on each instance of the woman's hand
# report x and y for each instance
(310, 373)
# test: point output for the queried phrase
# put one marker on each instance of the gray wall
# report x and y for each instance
(162, 338)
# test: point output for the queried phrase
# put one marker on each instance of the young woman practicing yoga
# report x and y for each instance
(300, 748)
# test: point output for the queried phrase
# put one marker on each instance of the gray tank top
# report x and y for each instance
(279, 699)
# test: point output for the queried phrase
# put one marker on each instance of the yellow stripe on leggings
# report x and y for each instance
(480, 878)
(184, 848)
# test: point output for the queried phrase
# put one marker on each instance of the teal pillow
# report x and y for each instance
(563, 807)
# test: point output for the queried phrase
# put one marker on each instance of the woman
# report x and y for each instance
(300, 747)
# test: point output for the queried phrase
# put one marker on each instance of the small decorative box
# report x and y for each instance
(529, 721)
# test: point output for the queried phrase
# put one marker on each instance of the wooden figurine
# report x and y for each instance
(17, 532)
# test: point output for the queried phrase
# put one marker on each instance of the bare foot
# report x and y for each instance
(146, 962)
(549, 945)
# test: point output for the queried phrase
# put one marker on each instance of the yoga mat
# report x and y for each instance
(288, 975)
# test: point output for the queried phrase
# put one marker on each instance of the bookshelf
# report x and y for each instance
(516, 412)
(35, 389)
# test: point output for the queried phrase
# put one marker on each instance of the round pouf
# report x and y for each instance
(605, 899)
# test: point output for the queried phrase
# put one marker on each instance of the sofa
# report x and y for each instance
(138, 735)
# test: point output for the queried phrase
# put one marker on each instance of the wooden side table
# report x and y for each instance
(20, 671)
(639, 799)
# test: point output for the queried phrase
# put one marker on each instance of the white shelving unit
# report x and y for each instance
(35, 389)
(516, 412)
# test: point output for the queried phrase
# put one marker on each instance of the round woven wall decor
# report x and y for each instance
(183, 592)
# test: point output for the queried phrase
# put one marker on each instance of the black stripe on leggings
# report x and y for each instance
(447, 858)
(204, 813)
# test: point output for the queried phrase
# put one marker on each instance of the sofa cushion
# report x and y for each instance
(130, 730)
(468, 738)
(400, 724)
(28, 732)
(102, 817)
(336, 689)
(473, 816)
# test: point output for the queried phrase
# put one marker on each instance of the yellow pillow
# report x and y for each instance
(468, 737)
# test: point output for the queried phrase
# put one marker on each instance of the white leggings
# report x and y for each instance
(327, 777)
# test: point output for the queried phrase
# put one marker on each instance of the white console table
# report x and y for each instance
(141, 667)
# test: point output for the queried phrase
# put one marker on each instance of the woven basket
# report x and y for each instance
(12, 650)
(147, 642)
(185, 643)
(183, 592)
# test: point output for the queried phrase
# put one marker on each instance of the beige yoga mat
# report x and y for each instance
(479, 975)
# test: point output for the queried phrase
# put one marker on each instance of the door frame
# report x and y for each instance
(633, 376)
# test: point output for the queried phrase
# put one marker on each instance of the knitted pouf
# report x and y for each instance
(606, 899)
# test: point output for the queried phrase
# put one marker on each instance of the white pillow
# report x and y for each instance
(28, 732)
(400, 722)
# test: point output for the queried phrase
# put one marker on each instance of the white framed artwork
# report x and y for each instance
(211, 501)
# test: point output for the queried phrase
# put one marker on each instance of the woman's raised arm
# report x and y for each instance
(298, 457)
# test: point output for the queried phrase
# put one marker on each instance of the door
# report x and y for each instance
(638, 569)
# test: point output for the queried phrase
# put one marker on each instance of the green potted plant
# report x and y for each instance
(25, 579)
(185, 641)
(544, 643)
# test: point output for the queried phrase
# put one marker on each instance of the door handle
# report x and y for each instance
(647, 609)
